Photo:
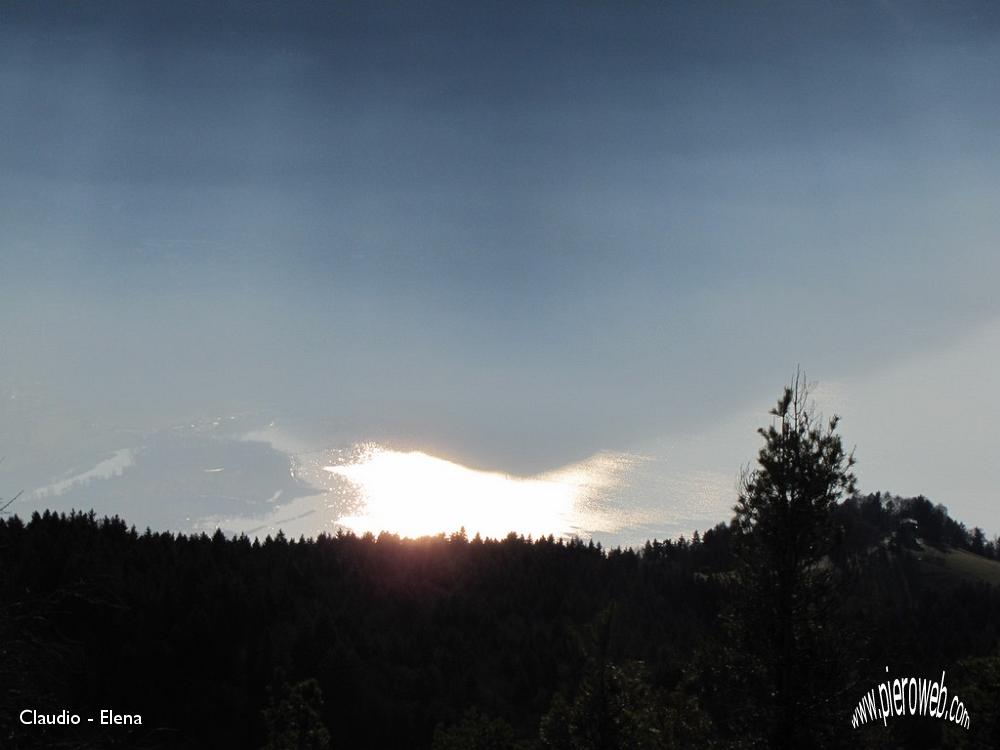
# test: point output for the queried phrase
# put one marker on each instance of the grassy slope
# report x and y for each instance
(948, 564)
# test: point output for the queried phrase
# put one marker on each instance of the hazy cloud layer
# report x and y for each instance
(514, 235)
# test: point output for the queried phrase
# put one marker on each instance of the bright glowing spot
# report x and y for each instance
(414, 494)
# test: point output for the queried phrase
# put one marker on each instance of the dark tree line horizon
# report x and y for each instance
(759, 632)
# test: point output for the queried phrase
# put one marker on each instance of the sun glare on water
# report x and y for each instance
(414, 494)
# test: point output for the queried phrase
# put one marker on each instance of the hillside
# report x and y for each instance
(398, 643)
(950, 565)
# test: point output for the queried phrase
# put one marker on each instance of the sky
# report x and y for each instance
(518, 237)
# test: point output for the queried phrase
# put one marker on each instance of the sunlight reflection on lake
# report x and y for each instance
(612, 497)
(415, 494)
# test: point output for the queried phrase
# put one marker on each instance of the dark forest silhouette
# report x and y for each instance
(761, 632)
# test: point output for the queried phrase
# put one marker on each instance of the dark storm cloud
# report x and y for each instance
(228, 92)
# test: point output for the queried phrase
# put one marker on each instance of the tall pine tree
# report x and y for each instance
(784, 528)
